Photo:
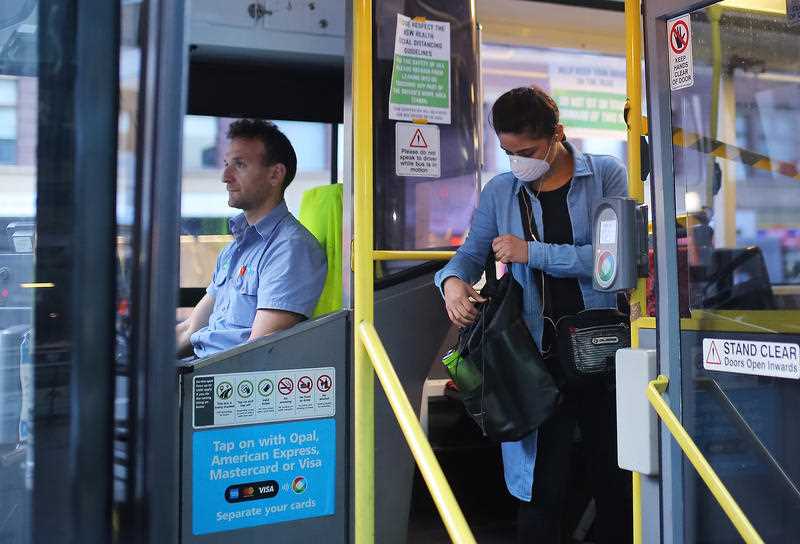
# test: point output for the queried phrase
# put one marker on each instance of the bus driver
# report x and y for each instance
(270, 276)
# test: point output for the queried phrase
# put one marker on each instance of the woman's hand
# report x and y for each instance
(510, 249)
(460, 309)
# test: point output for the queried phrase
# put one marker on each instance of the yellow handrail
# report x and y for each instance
(654, 390)
(446, 503)
(363, 280)
(387, 255)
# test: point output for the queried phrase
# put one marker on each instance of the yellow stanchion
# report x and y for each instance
(429, 467)
(746, 530)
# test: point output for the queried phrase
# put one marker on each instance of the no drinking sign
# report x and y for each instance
(681, 65)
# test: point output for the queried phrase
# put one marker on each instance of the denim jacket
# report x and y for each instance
(498, 213)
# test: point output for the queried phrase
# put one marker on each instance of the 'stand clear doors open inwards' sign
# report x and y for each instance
(420, 86)
(777, 359)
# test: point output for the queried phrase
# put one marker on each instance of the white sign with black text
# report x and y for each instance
(777, 359)
(417, 150)
(681, 65)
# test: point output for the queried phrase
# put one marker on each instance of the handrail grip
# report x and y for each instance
(420, 255)
(654, 390)
(440, 491)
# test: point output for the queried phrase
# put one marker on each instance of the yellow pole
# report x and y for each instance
(746, 530)
(421, 255)
(633, 74)
(363, 271)
(429, 467)
(637, 508)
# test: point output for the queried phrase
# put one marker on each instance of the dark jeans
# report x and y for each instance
(541, 520)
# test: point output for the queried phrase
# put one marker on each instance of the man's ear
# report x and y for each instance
(278, 174)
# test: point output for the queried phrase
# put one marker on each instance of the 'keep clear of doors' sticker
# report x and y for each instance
(263, 397)
(262, 474)
(777, 359)
(417, 150)
(681, 65)
(420, 87)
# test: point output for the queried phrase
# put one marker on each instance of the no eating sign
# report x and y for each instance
(681, 65)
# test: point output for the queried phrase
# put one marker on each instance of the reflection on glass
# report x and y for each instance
(738, 196)
(18, 120)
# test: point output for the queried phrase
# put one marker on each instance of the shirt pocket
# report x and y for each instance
(244, 301)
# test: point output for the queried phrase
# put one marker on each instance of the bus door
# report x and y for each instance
(724, 104)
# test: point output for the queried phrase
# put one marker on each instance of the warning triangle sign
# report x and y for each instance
(712, 357)
(418, 140)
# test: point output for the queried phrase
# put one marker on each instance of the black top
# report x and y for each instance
(564, 294)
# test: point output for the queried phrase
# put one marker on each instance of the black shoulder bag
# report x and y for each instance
(517, 392)
(585, 345)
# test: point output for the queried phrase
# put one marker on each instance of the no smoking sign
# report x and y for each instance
(681, 64)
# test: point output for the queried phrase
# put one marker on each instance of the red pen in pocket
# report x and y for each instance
(242, 271)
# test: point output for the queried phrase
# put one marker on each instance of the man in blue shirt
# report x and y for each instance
(271, 275)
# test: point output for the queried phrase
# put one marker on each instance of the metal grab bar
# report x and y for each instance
(654, 391)
(423, 255)
(440, 490)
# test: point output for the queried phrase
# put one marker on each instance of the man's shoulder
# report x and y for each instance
(293, 237)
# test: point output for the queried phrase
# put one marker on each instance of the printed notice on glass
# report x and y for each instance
(681, 64)
(420, 86)
(608, 232)
(417, 150)
(222, 400)
(776, 359)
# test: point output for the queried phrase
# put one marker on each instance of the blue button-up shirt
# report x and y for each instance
(275, 264)
(498, 213)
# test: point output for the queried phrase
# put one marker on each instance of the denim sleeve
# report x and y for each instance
(291, 276)
(615, 177)
(468, 261)
(577, 261)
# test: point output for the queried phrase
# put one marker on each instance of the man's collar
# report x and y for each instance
(264, 227)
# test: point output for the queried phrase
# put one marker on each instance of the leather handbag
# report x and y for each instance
(517, 392)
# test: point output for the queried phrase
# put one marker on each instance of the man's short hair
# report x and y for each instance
(277, 147)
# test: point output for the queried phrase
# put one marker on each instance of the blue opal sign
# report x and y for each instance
(260, 474)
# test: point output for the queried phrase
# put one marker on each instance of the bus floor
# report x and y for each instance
(473, 468)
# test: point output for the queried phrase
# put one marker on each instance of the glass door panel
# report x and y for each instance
(736, 153)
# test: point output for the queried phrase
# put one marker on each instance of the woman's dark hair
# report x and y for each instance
(525, 110)
(277, 147)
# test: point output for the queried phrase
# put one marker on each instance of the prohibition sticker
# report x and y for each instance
(305, 384)
(417, 150)
(776, 359)
(263, 397)
(681, 63)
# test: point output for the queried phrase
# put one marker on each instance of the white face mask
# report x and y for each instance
(528, 169)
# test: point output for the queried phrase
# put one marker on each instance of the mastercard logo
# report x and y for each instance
(248, 492)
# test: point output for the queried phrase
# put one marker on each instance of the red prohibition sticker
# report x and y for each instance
(679, 36)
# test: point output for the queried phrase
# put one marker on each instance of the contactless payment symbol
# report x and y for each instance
(224, 390)
(299, 485)
(606, 267)
(265, 387)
